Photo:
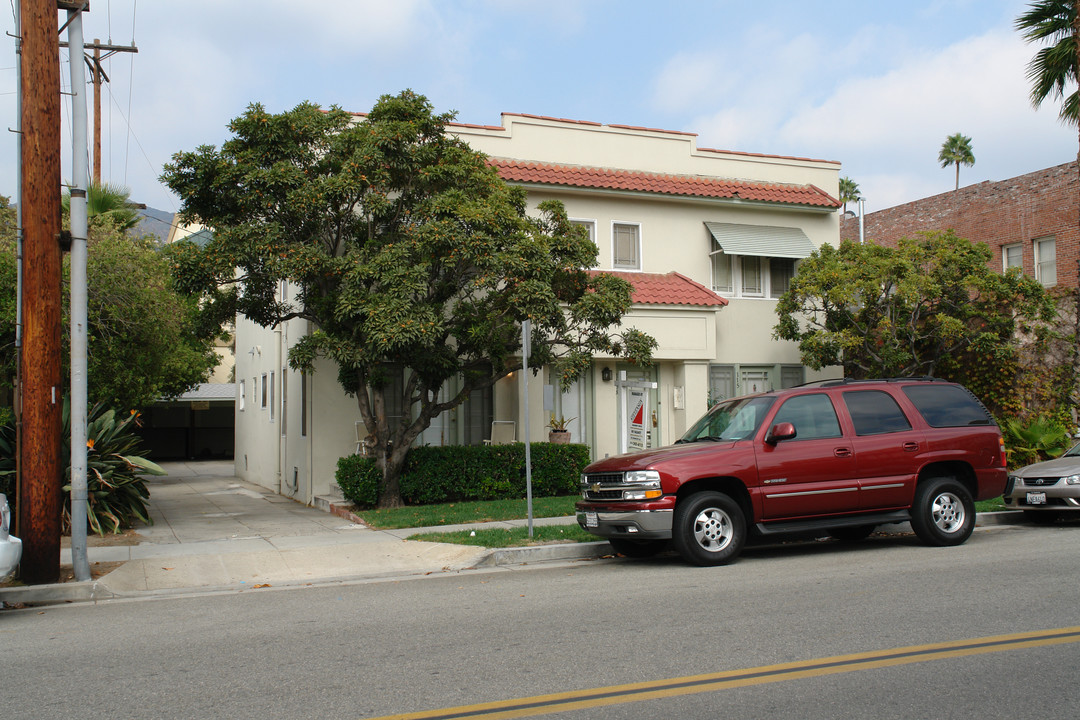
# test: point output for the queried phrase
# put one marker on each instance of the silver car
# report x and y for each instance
(1046, 489)
(10, 546)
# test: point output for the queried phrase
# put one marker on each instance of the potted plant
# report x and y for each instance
(559, 433)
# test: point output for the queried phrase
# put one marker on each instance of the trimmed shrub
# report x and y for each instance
(456, 473)
(358, 478)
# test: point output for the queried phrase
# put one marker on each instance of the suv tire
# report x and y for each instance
(709, 529)
(943, 512)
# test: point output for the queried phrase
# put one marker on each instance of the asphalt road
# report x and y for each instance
(627, 639)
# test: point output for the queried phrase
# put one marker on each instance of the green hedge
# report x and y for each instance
(456, 473)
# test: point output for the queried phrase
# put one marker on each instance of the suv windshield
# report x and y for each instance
(730, 420)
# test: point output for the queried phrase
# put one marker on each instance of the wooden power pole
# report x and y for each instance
(40, 496)
(97, 77)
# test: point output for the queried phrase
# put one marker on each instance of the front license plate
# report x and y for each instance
(590, 519)
(1036, 498)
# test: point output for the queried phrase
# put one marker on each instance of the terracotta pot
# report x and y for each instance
(561, 437)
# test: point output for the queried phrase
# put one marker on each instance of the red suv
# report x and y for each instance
(839, 456)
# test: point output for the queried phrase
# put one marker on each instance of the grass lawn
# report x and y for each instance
(466, 512)
(490, 511)
(991, 505)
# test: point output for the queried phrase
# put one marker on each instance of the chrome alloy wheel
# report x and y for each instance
(712, 529)
(948, 512)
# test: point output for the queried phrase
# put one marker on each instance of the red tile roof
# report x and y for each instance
(685, 185)
(667, 289)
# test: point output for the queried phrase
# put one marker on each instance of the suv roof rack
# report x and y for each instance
(854, 381)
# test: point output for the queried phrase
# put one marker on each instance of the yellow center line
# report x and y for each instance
(711, 682)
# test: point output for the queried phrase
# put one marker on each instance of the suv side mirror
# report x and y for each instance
(780, 431)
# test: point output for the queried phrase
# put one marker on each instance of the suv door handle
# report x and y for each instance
(842, 452)
(911, 446)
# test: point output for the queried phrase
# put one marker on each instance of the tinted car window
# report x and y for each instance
(947, 405)
(812, 415)
(874, 412)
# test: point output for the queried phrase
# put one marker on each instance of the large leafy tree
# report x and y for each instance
(919, 309)
(142, 343)
(956, 150)
(409, 255)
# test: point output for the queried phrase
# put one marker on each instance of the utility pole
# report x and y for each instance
(40, 497)
(97, 77)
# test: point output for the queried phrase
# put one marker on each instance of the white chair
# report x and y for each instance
(503, 432)
(364, 442)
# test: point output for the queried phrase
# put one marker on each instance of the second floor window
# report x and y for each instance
(1012, 256)
(625, 246)
(1046, 261)
(751, 276)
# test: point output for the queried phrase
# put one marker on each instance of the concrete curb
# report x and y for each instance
(542, 553)
(54, 594)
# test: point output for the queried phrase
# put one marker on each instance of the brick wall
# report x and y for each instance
(1018, 210)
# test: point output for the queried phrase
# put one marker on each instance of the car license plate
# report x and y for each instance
(1036, 498)
(590, 520)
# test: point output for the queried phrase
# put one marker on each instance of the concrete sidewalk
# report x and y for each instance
(213, 531)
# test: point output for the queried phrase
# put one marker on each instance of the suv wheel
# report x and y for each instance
(943, 512)
(709, 529)
(638, 548)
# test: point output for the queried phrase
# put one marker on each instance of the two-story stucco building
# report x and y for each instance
(709, 239)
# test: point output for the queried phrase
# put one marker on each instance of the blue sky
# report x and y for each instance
(876, 86)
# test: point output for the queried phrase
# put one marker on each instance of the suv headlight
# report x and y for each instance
(649, 482)
(1072, 480)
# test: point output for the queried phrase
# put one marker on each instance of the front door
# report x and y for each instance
(637, 400)
(813, 473)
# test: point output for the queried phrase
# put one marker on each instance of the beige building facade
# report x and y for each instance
(709, 240)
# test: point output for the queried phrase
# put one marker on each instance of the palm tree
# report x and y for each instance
(956, 150)
(849, 191)
(1054, 66)
(112, 201)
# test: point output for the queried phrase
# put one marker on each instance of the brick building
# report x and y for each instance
(1030, 221)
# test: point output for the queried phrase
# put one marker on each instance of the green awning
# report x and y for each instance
(761, 240)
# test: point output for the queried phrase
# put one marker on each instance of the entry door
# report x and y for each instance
(639, 425)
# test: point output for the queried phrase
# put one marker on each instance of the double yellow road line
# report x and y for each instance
(712, 682)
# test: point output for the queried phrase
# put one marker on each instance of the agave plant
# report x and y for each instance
(116, 491)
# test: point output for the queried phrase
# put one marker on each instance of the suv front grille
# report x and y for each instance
(603, 486)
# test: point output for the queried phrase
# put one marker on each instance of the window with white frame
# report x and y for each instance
(723, 267)
(273, 387)
(1046, 261)
(1012, 256)
(781, 271)
(265, 389)
(590, 228)
(751, 276)
(625, 246)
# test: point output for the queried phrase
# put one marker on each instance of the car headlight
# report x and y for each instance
(642, 476)
(649, 481)
(1016, 480)
(1072, 480)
